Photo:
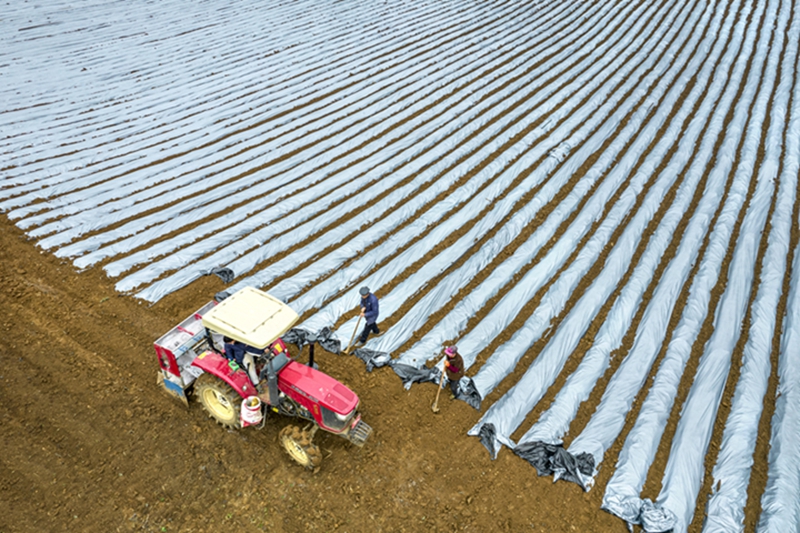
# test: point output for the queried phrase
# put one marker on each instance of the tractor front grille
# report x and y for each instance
(359, 434)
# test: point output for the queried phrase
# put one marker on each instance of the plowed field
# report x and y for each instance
(91, 444)
(596, 201)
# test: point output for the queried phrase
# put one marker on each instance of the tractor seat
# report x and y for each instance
(279, 361)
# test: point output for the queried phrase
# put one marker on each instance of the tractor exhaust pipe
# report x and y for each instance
(312, 340)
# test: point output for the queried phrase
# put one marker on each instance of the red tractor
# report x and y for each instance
(192, 354)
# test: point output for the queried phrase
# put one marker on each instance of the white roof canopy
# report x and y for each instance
(251, 316)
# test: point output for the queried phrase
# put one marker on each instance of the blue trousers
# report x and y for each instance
(367, 329)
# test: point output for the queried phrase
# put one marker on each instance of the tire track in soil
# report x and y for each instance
(62, 379)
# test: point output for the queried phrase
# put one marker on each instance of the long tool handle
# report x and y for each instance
(438, 390)
(353, 336)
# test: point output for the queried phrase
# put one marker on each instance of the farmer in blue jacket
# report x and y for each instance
(369, 310)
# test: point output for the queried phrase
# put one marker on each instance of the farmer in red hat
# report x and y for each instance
(454, 366)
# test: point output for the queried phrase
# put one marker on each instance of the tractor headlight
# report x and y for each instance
(335, 421)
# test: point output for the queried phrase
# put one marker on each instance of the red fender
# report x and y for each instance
(217, 365)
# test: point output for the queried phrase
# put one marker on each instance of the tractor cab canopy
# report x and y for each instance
(251, 316)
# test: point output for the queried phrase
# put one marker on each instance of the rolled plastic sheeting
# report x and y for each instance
(731, 474)
(780, 507)
(607, 421)
(161, 287)
(549, 459)
(684, 472)
(452, 324)
(554, 422)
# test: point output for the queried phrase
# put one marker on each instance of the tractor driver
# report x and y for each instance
(243, 355)
(234, 350)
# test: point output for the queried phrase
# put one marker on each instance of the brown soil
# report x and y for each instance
(90, 443)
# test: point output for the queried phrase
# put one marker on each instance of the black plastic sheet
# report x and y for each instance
(301, 337)
(411, 374)
(487, 435)
(553, 458)
(324, 339)
(372, 358)
(224, 273)
(470, 394)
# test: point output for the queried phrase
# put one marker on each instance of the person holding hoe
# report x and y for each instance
(454, 366)
(369, 310)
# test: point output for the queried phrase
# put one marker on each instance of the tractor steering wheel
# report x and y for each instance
(270, 353)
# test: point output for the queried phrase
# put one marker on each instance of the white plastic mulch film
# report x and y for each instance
(596, 201)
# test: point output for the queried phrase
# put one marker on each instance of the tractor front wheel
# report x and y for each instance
(298, 445)
(220, 401)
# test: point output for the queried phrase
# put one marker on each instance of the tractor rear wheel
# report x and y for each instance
(298, 445)
(220, 401)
